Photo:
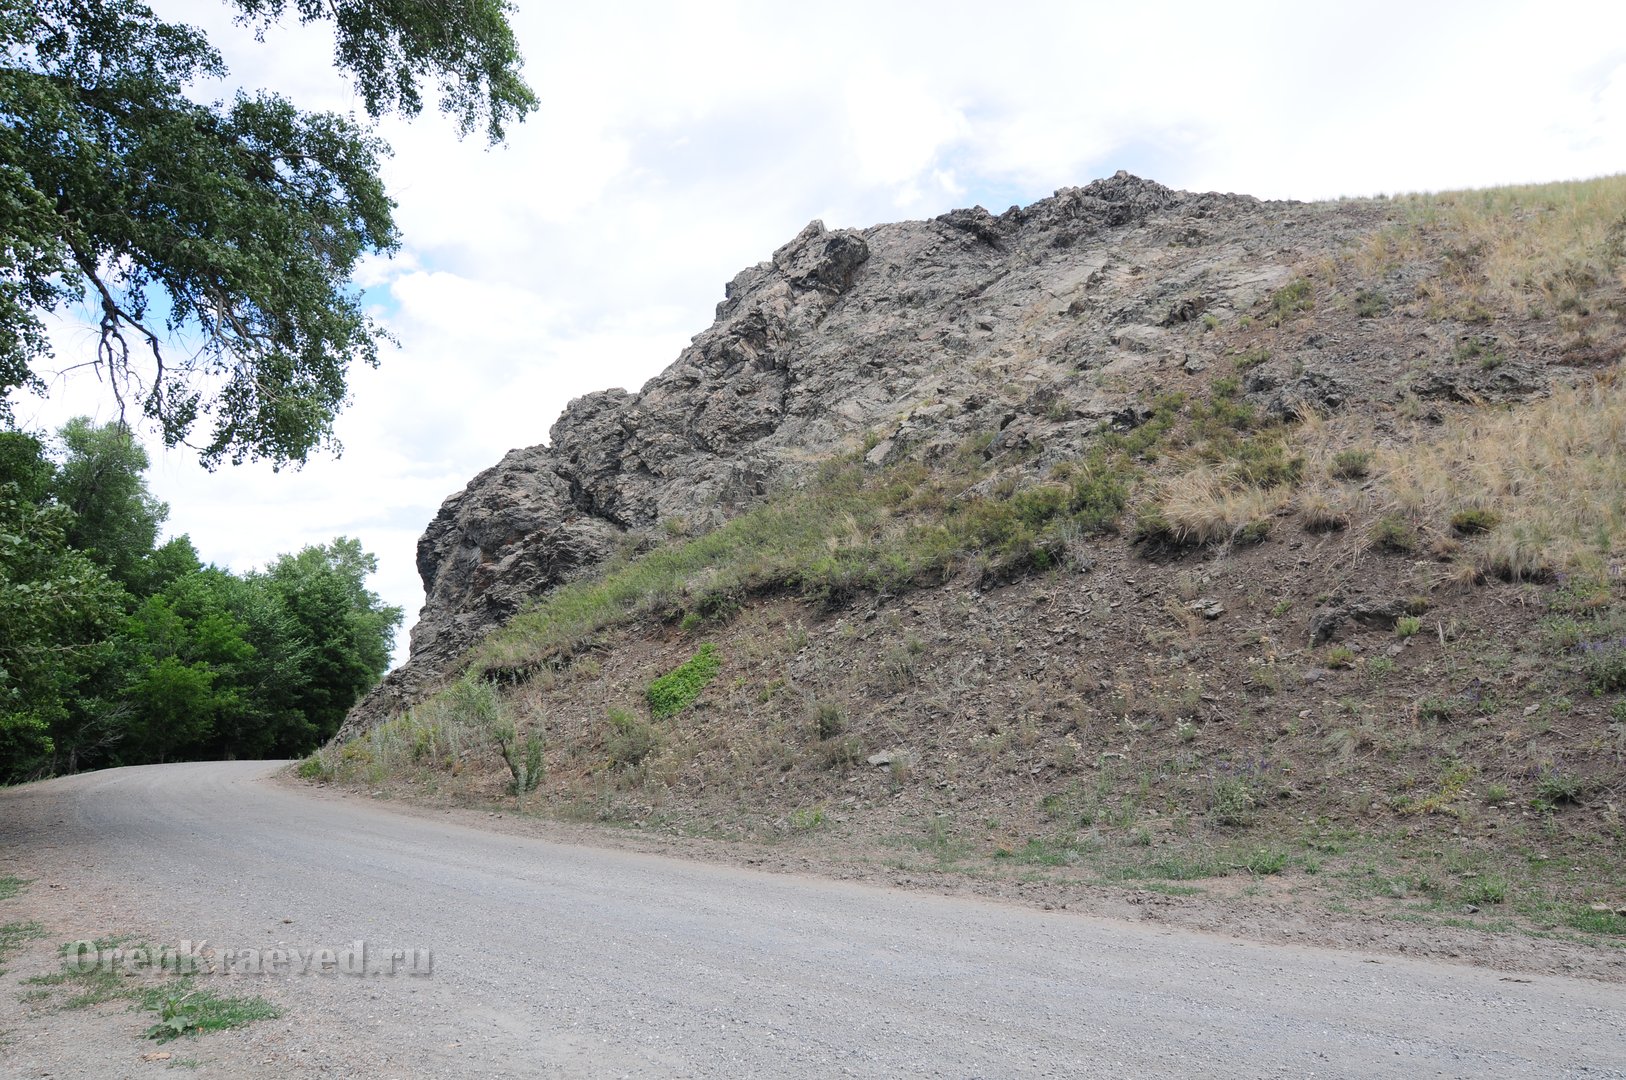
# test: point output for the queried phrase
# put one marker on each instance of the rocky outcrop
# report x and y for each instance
(1038, 325)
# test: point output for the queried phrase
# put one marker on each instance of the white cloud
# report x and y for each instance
(679, 143)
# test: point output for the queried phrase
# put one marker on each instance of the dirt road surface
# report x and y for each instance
(561, 960)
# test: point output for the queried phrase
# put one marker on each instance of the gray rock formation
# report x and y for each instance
(1037, 324)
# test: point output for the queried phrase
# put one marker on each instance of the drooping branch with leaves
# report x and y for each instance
(215, 242)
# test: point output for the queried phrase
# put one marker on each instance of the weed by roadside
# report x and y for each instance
(182, 1006)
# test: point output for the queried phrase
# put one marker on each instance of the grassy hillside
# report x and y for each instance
(1371, 650)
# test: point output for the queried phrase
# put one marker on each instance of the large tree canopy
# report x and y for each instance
(216, 242)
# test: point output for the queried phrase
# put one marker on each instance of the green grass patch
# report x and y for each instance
(679, 688)
(1588, 921)
(183, 1007)
(1062, 850)
(1292, 298)
(186, 1009)
(13, 935)
(11, 885)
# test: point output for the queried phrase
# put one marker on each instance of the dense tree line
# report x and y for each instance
(117, 650)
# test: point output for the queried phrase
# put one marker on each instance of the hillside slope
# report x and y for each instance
(1135, 534)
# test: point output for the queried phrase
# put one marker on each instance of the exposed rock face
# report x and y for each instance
(1038, 324)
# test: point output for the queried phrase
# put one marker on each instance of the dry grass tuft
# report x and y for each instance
(1551, 475)
(1208, 505)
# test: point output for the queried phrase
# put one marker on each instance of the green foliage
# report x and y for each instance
(57, 610)
(829, 720)
(631, 738)
(1594, 921)
(808, 819)
(468, 48)
(1247, 361)
(522, 756)
(849, 531)
(115, 518)
(1290, 299)
(120, 653)
(345, 627)
(1558, 789)
(1263, 862)
(1474, 520)
(678, 688)
(23, 463)
(1351, 464)
(1408, 626)
(1393, 533)
(1370, 303)
(1339, 656)
(191, 1010)
(1485, 890)
(1232, 802)
(15, 934)
(236, 226)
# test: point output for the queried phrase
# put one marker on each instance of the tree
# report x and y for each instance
(116, 652)
(57, 610)
(346, 626)
(217, 241)
(115, 518)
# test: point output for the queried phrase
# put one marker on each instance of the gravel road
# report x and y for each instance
(560, 960)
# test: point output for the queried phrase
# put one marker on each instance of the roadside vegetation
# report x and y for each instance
(116, 649)
(180, 1004)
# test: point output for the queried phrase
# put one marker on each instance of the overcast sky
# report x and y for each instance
(680, 142)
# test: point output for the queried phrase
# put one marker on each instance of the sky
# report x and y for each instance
(679, 142)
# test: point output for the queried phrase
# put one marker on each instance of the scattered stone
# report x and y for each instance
(1207, 608)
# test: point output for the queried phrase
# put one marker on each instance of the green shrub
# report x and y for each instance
(1350, 464)
(1604, 663)
(1290, 299)
(1265, 861)
(1436, 708)
(1472, 521)
(1558, 789)
(524, 763)
(1393, 533)
(678, 688)
(1265, 462)
(1340, 656)
(841, 752)
(1152, 527)
(1232, 802)
(474, 701)
(1370, 303)
(1485, 890)
(808, 819)
(829, 719)
(1408, 626)
(1251, 359)
(631, 739)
